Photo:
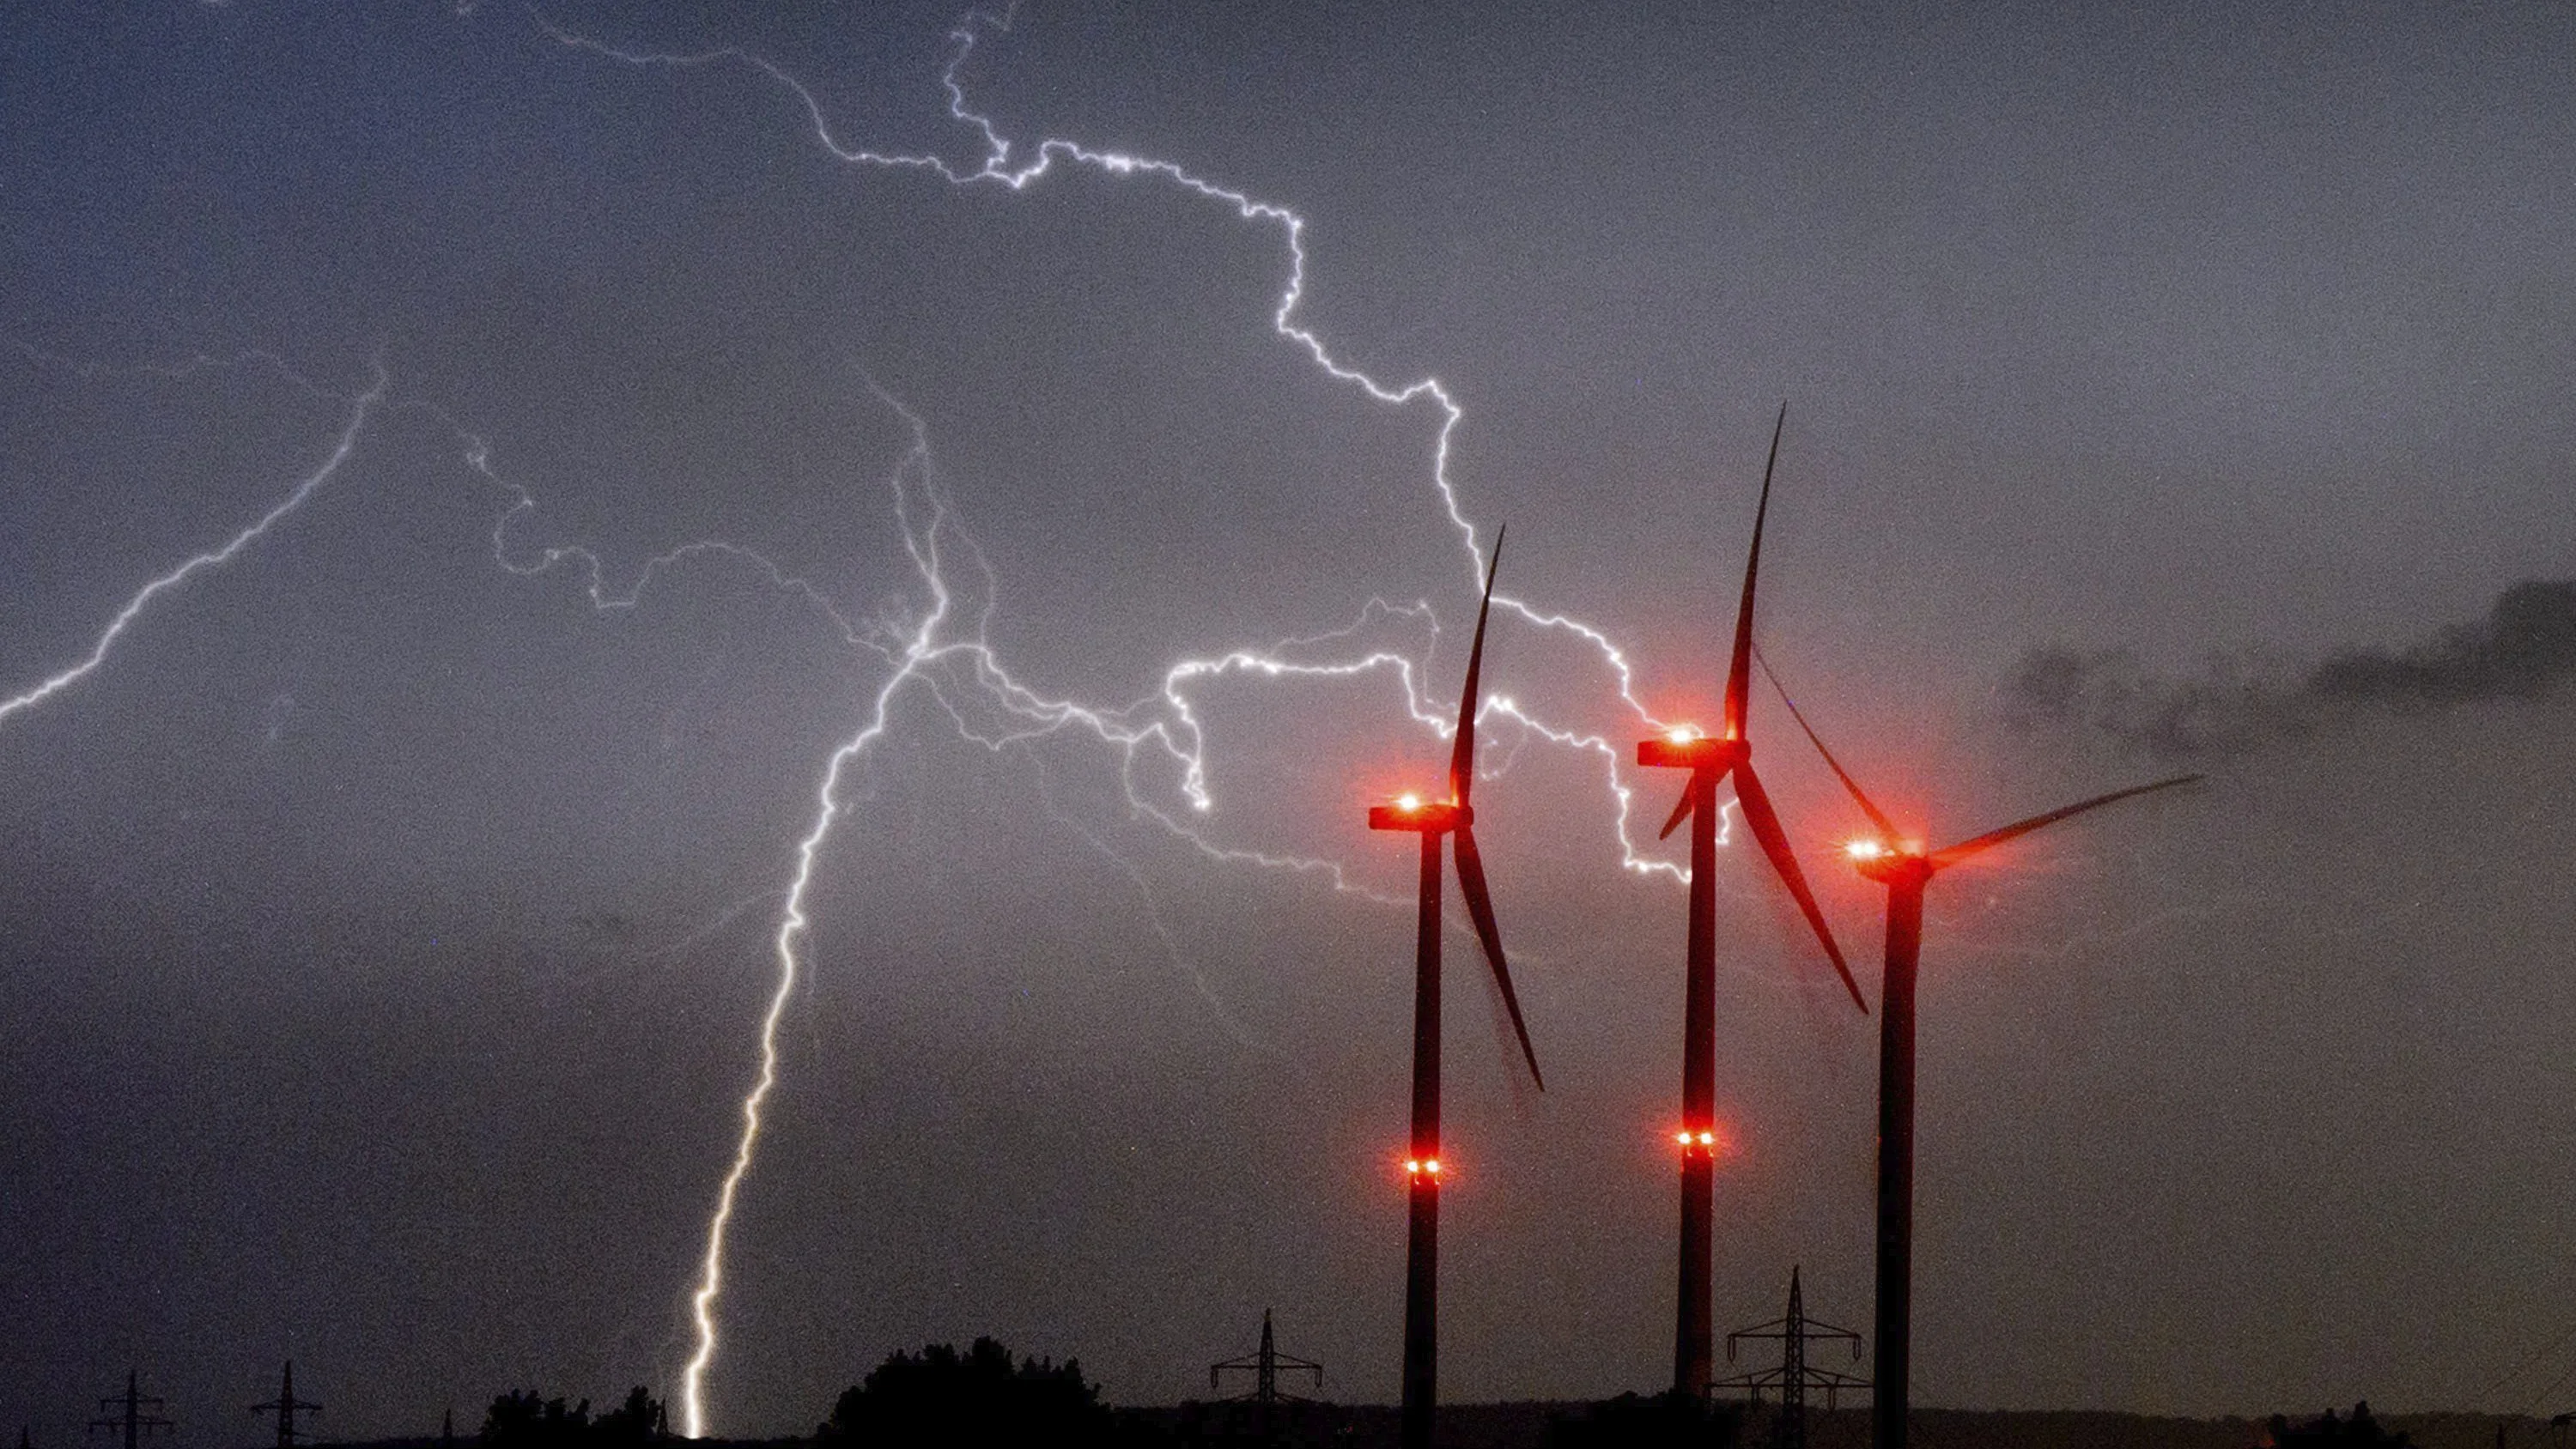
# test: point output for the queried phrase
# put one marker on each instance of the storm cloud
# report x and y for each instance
(2524, 649)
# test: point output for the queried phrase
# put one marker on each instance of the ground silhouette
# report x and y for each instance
(527, 1419)
(2361, 1431)
(940, 1396)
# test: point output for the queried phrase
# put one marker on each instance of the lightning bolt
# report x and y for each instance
(1182, 737)
(918, 652)
(943, 648)
(154, 589)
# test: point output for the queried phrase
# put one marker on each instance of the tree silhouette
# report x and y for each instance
(942, 1397)
(2361, 1431)
(638, 1421)
(526, 1419)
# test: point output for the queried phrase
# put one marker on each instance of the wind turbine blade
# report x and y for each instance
(1739, 679)
(1462, 756)
(1681, 812)
(1953, 854)
(1877, 817)
(1480, 908)
(1775, 843)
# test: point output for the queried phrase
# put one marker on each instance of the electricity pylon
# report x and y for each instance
(1264, 1365)
(139, 1414)
(286, 1406)
(1795, 1330)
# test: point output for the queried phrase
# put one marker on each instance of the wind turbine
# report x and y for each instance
(1906, 867)
(1710, 760)
(1431, 820)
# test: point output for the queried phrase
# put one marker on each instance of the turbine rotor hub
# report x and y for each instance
(1895, 867)
(1428, 816)
(1700, 752)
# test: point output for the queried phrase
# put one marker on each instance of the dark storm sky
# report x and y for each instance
(385, 923)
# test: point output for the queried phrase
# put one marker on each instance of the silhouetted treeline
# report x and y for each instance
(942, 1397)
(2361, 1431)
(526, 1419)
(1237, 1424)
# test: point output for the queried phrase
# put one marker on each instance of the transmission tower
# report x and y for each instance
(286, 1406)
(1264, 1366)
(140, 1414)
(1266, 1397)
(1794, 1330)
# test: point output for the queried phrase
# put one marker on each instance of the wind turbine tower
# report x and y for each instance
(1710, 760)
(1431, 820)
(1905, 866)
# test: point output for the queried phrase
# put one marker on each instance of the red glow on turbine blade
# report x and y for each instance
(1765, 824)
(1681, 812)
(1462, 756)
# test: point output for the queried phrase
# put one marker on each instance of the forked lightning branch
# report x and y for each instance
(941, 646)
(997, 168)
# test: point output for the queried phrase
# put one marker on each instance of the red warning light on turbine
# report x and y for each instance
(1865, 849)
(1408, 802)
(1682, 734)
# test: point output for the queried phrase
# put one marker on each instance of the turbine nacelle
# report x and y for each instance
(1412, 812)
(1685, 748)
(1902, 863)
(1897, 862)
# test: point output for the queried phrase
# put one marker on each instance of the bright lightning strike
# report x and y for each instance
(1026, 715)
(918, 650)
(943, 648)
